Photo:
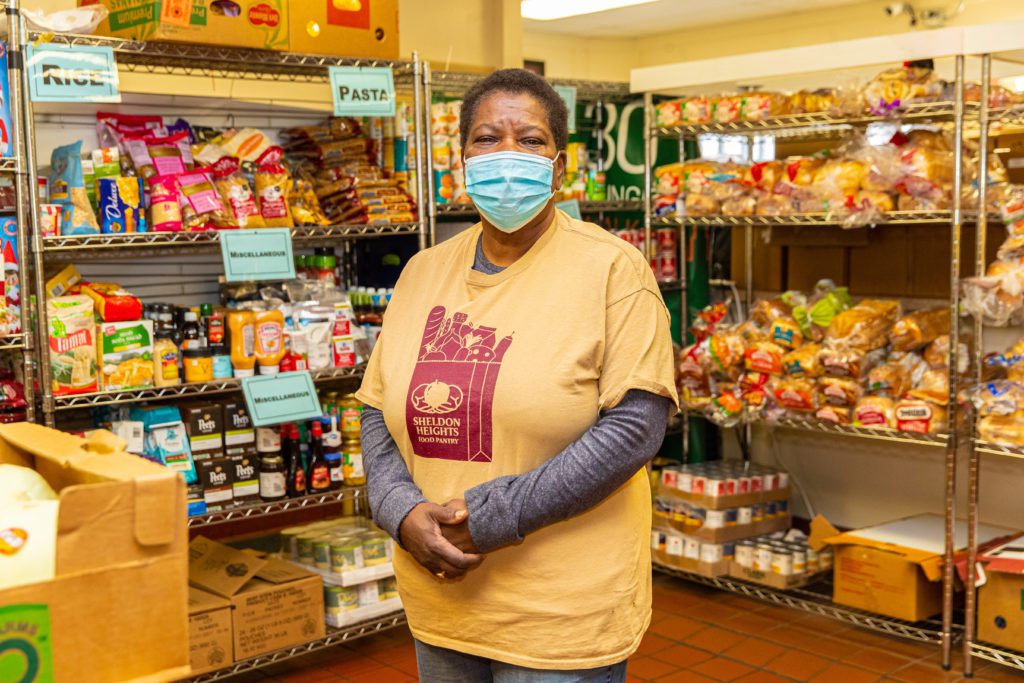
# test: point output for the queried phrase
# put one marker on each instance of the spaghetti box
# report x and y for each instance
(1001, 595)
(275, 604)
(209, 631)
(894, 569)
(217, 476)
(239, 432)
(204, 424)
(246, 484)
(249, 23)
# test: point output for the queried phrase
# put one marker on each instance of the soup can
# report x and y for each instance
(782, 561)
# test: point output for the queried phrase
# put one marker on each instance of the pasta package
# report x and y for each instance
(201, 207)
(72, 343)
(838, 391)
(919, 328)
(878, 412)
(67, 189)
(126, 354)
(121, 207)
(239, 202)
(305, 206)
(166, 153)
(165, 204)
(273, 183)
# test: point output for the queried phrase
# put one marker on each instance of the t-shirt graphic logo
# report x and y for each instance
(448, 408)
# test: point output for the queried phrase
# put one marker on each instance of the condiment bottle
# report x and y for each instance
(191, 337)
(272, 469)
(269, 341)
(332, 456)
(165, 362)
(352, 463)
(241, 325)
(198, 364)
(215, 327)
(318, 476)
(351, 409)
(296, 473)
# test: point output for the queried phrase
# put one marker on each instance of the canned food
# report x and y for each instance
(684, 482)
(763, 557)
(825, 558)
(756, 483)
(711, 553)
(728, 551)
(716, 519)
(674, 546)
(658, 540)
(669, 478)
(289, 543)
(732, 484)
(375, 549)
(388, 588)
(745, 555)
(691, 548)
(698, 484)
(771, 509)
(714, 487)
(782, 562)
(696, 516)
(799, 559)
(783, 479)
(666, 238)
(731, 516)
(338, 599)
(813, 566)
(304, 547)
(743, 484)
(744, 515)
(771, 481)
(322, 553)
(368, 593)
(757, 512)
(346, 554)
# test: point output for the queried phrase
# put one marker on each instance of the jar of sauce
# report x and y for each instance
(198, 364)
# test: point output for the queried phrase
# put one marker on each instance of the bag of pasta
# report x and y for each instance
(919, 328)
(201, 206)
(236, 195)
(273, 183)
(865, 326)
(304, 205)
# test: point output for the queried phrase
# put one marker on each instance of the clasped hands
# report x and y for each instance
(437, 536)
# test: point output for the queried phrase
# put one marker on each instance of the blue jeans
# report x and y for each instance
(438, 665)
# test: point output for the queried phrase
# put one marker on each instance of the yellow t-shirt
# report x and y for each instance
(481, 376)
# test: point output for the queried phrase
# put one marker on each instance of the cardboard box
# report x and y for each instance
(777, 581)
(894, 568)
(275, 604)
(1001, 596)
(217, 475)
(120, 560)
(204, 424)
(258, 23)
(728, 534)
(688, 565)
(369, 29)
(209, 631)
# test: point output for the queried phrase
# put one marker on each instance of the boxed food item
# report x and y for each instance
(275, 604)
(166, 443)
(217, 475)
(354, 29)
(243, 23)
(1000, 609)
(204, 424)
(246, 481)
(894, 568)
(125, 353)
(120, 558)
(239, 433)
(209, 631)
(72, 345)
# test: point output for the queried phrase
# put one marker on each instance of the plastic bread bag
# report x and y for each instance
(933, 386)
(164, 204)
(724, 354)
(692, 376)
(248, 144)
(838, 391)
(273, 184)
(836, 414)
(876, 412)
(742, 204)
(775, 205)
(803, 362)
(1001, 397)
(67, 189)
(764, 175)
(727, 182)
(786, 332)
(201, 206)
(700, 205)
(726, 408)
(236, 196)
(919, 328)
(839, 360)
(726, 108)
(817, 313)
(922, 417)
(695, 110)
(889, 379)
(894, 88)
(865, 326)
(997, 297)
(764, 356)
(1004, 430)
(795, 393)
(767, 310)
(691, 177)
(757, 106)
(936, 355)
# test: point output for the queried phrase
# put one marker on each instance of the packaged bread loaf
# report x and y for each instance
(784, 331)
(889, 379)
(794, 393)
(1004, 430)
(838, 360)
(764, 356)
(865, 326)
(803, 361)
(836, 414)
(878, 412)
(767, 310)
(919, 328)
(922, 417)
(838, 391)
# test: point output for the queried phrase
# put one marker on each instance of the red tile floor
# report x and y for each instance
(698, 635)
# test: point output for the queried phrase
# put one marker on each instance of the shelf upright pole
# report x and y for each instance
(421, 152)
(973, 463)
(954, 346)
(428, 155)
(648, 161)
(599, 134)
(682, 251)
(42, 324)
(24, 192)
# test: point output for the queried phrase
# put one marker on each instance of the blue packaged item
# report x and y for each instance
(221, 366)
(67, 189)
(121, 205)
(5, 105)
(166, 439)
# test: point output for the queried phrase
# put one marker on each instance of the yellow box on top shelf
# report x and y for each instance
(347, 28)
(235, 23)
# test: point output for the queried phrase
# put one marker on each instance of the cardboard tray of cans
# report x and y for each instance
(772, 580)
(709, 569)
(350, 577)
(724, 530)
(718, 486)
(354, 616)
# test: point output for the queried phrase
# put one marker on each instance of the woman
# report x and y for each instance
(524, 375)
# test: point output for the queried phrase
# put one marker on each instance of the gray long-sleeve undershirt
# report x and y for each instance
(505, 510)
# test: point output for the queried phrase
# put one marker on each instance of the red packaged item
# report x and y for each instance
(165, 204)
(167, 153)
(273, 183)
(237, 196)
(111, 303)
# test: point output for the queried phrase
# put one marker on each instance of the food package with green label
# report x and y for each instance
(28, 527)
(72, 344)
(126, 354)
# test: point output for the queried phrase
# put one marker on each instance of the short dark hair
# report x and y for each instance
(517, 81)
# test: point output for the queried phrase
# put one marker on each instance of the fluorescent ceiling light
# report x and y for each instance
(547, 10)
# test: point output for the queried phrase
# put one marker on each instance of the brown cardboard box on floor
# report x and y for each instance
(894, 569)
(209, 631)
(274, 604)
(1001, 597)
(120, 560)
(347, 29)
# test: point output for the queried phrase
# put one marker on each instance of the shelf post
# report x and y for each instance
(973, 463)
(421, 146)
(428, 155)
(954, 347)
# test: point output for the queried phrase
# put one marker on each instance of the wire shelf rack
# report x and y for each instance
(264, 509)
(1009, 658)
(999, 449)
(9, 165)
(335, 636)
(815, 599)
(812, 219)
(468, 210)
(891, 435)
(222, 386)
(923, 110)
(105, 245)
(13, 342)
(221, 62)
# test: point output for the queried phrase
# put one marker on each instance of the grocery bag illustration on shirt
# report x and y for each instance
(448, 408)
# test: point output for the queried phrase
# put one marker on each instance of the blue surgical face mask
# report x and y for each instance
(509, 188)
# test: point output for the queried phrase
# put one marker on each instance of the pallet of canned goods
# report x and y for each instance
(675, 549)
(345, 605)
(722, 485)
(782, 561)
(722, 526)
(346, 551)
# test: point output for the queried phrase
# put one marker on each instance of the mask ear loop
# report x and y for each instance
(562, 181)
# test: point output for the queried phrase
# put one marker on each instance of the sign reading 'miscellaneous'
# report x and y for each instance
(363, 90)
(285, 397)
(264, 254)
(60, 73)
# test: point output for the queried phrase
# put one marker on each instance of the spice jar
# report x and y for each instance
(198, 364)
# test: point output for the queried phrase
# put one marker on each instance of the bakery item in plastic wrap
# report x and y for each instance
(837, 414)
(764, 356)
(701, 205)
(795, 393)
(817, 313)
(775, 205)
(865, 326)
(803, 362)
(739, 205)
(785, 331)
(1004, 430)
(936, 355)
(893, 88)
(839, 391)
(725, 351)
(889, 379)
(933, 386)
(919, 328)
(922, 417)
(767, 310)
(727, 108)
(877, 412)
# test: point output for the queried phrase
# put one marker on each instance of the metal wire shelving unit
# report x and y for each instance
(268, 509)
(824, 126)
(596, 92)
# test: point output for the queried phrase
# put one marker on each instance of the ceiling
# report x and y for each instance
(673, 15)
